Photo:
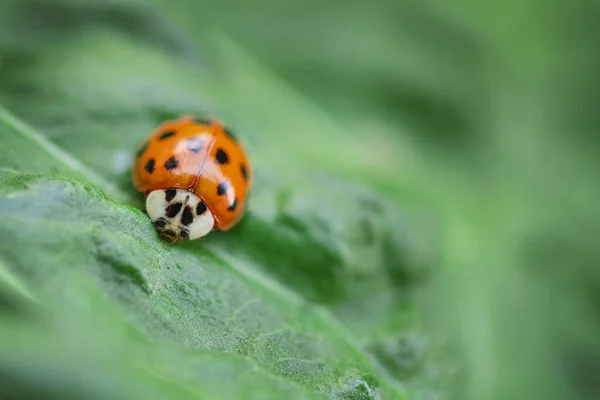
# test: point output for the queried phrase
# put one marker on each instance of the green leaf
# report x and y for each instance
(96, 263)
(309, 297)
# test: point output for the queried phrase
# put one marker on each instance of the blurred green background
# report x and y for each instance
(424, 220)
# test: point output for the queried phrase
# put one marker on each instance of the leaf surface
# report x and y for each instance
(305, 299)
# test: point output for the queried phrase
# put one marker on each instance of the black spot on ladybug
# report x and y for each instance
(233, 205)
(221, 157)
(222, 188)
(170, 194)
(172, 210)
(150, 166)
(187, 217)
(142, 150)
(183, 234)
(195, 144)
(166, 135)
(229, 133)
(203, 121)
(200, 208)
(160, 223)
(244, 172)
(171, 164)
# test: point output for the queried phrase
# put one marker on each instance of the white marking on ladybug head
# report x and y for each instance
(178, 214)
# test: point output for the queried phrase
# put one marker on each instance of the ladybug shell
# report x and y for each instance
(199, 155)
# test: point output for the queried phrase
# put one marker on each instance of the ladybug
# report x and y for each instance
(195, 176)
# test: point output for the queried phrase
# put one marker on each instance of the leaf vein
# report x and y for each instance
(60, 155)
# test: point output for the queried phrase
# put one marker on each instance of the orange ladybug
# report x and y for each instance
(195, 176)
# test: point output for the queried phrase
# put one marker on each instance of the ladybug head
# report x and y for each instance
(178, 214)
